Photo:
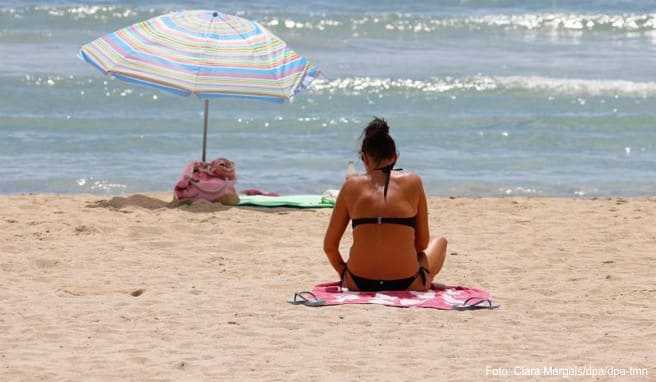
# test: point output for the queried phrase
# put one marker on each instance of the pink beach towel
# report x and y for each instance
(255, 191)
(438, 297)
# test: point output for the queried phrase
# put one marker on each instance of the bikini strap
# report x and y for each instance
(387, 170)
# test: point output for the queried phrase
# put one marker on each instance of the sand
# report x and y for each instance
(129, 289)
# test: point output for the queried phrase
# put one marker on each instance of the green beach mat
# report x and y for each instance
(294, 201)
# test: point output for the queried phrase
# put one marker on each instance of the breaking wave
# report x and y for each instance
(384, 22)
(356, 85)
(372, 85)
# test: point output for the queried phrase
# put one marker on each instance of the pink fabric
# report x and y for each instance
(253, 191)
(208, 181)
(221, 168)
(438, 297)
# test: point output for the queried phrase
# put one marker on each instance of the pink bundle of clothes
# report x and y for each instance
(213, 181)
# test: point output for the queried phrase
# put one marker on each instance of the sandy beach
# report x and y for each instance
(128, 289)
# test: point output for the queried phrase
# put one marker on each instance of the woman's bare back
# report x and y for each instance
(383, 251)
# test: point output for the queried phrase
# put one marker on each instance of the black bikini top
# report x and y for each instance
(410, 222)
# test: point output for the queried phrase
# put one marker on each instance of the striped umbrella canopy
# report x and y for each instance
(206, 53)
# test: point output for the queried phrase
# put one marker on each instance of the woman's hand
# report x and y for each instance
(341, 269)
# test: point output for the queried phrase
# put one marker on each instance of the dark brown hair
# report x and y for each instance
(376, 141)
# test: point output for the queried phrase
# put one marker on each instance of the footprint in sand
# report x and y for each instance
(83, 292)
(140, 232)
(139, 360)
(162, 244)
(86, 230)
(43, 263)
(10, 249)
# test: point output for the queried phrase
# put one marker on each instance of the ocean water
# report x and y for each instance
(484, 97)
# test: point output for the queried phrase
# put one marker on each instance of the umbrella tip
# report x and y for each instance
(215, 14)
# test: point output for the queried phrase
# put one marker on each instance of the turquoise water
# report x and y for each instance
(484, 98)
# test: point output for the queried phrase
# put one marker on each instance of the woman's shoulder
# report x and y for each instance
(408, 177)
(404, 178)
(355, 181)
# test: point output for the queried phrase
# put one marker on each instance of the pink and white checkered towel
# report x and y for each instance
(438, 297)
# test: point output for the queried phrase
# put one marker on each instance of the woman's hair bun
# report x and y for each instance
(377, 126)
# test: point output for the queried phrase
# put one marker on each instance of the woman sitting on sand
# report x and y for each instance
(391, 247)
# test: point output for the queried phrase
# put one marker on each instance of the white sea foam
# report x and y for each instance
(519, 190)
(93, 185)
(579, 86)
(552, 21)
(107, 186)
(384, 22)
(407, 23)
(377, 85)
(380, 86)
(287, 23)
(357, 85)
(101, 12)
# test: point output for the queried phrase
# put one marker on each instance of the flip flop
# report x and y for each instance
(307, 299)
(480, 304)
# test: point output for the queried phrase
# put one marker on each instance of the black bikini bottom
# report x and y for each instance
(369, 285)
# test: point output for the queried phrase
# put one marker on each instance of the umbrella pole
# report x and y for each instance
(207, 106)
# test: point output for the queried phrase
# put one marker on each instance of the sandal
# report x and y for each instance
(307, 299)
(477, 305)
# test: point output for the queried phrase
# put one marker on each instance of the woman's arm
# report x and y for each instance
(338, 222)
(422, 233)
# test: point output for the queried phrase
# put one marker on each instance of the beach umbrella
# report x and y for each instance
(206, 53)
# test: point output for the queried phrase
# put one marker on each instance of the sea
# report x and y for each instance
(484, 98)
